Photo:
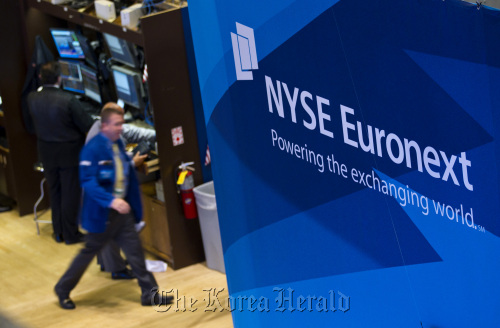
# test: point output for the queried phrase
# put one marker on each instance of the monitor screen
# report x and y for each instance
(91, 84)
(73, 85)
(121, 50)
(128, 86)
(70, 69)
(90, 54)
(67, 43)
(71, 76)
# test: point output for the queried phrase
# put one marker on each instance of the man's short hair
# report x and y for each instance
(113, 105)
(49, 73)
(109, 109)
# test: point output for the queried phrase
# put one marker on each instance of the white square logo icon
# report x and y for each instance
(244, 51)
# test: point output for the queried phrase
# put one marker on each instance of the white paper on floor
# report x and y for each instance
(156, 266)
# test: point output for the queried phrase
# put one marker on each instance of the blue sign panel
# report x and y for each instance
(355, 159)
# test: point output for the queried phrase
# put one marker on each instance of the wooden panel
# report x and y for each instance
(156, 236)
(161, 234)
(147, 233)
(170, 92)
(22, 146)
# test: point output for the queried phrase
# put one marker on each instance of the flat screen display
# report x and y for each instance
(70, 69)
(128, 86)
(73, 85)
(67, 44)
(121, 50)
(91, 84)
(90, 55)
(71, 76)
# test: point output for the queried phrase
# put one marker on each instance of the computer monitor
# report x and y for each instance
(121, 50)
(128, 84)
(73, 85)
(67, 43)
(71, 76)
(90, 54)
(70, 69)
(91, 84)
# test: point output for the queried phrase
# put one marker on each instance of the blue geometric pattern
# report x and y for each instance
(409, 229)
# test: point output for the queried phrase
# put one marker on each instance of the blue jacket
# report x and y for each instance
(97, 178)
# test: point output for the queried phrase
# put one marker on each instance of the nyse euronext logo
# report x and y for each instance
(244, 51)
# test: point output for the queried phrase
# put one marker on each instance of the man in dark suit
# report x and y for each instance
(60, 125)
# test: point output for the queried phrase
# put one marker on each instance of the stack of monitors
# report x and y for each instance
(126, 74)
(79, 67)
(75, 52)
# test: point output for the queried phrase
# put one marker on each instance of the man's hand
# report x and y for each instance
(120, 206)
(139, 159)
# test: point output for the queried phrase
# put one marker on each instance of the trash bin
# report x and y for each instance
(209, 223)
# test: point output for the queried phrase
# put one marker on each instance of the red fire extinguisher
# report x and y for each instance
(185, 185)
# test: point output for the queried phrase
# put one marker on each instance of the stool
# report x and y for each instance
(39, 167)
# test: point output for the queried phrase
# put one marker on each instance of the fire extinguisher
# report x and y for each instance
(185, 185)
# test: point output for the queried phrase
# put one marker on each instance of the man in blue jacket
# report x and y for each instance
(111, 207)
(109, 257)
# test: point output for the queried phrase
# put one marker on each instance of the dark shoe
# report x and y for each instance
(157, 299)
(4, 208)
(80, 238)
(124, 274)
(58, 238)
(65, 302)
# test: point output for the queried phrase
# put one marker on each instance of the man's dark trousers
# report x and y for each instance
(65, 196)
(120, 228)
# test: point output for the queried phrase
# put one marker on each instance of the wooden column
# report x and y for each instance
(170, 92)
